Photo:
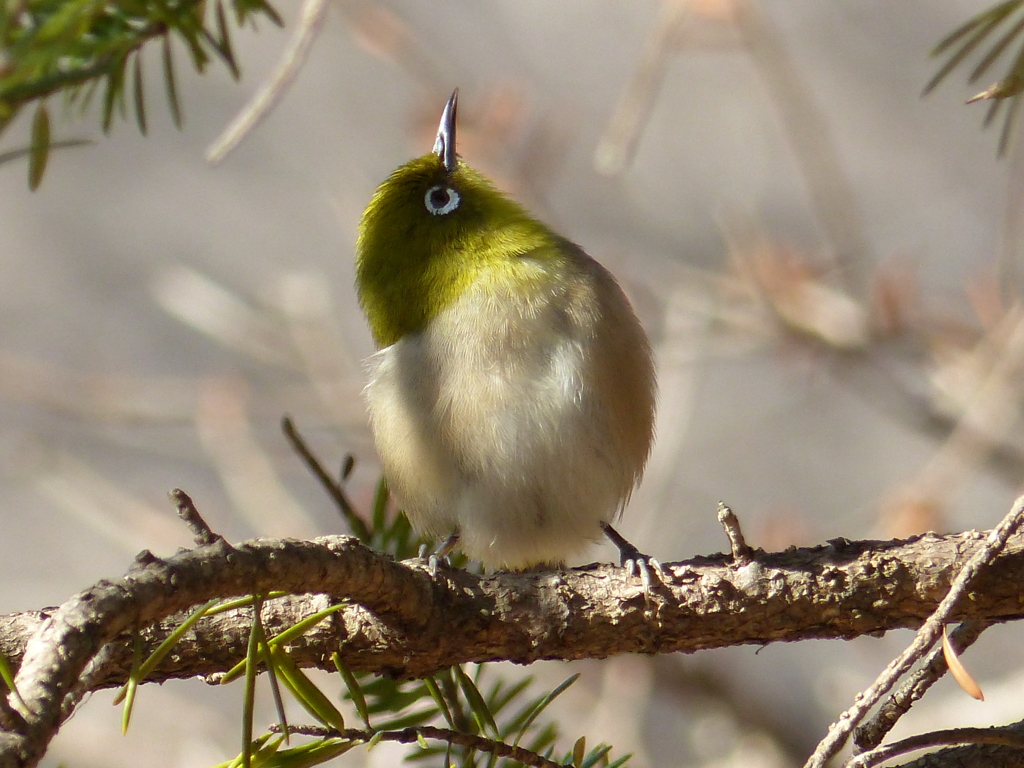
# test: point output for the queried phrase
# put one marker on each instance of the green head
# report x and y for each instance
(431, 231)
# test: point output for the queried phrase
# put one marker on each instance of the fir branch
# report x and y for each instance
(494, 747)
(53, 47)
(964, 41)
(405, 623)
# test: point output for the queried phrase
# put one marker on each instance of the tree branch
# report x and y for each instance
(870, 734)
(403, 623)
(964, 585)
(1009, 739)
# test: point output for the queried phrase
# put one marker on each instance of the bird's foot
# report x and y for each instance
(634, 561)
(440, 554)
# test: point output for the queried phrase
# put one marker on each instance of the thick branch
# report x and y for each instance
(406, 624)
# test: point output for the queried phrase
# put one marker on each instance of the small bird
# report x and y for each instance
(512, 397)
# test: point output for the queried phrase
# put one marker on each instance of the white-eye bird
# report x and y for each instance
(512, 397)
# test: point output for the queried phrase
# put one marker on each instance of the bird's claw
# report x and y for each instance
(642, 565)
(431, 559)
(432, 562)
(439, 555)
(634, 561)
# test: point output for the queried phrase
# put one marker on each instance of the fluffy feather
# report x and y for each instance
(521, 419)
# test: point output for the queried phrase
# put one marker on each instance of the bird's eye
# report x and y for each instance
(441, 200)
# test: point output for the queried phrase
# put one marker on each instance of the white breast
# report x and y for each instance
(496, 422)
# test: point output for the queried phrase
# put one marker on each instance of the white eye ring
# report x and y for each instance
(441, 199)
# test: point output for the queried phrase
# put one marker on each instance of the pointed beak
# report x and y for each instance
(444, 145)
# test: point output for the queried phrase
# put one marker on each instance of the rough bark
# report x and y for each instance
(403, 622)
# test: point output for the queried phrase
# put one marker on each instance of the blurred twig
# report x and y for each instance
(386, 35)
(791, 293)
(324, 355)
(810, 139)
(619, 142)
(247, 473)
(105, 398)
(308, 26)
(104, 505)
(806, 128)
(207, 306)
(331, 485)
(990, 412)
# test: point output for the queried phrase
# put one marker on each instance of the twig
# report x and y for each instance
(413, 735)
(870, 735)
(970, 756)
(810, 138)
(1002, 735)
(622, 135)
(201, 531)
(246, 470)
(989, 415)
(311, 20)
(333, 488)
(741, 551)
(870, 378)
(840, 730)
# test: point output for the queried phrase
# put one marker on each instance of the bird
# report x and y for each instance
(512, 394)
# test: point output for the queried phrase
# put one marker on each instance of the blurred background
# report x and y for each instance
(827, 263)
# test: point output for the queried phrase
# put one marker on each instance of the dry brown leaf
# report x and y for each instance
(957, 669)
